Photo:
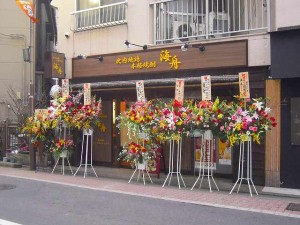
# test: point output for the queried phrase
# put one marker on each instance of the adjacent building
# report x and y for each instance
(23, 45)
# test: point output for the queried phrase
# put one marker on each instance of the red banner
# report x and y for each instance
(28, 9)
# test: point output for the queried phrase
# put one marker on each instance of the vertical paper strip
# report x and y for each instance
(244, 85)
(140, 92)
(87, 94)
(179, 90)
(65, 87)
(206, 87)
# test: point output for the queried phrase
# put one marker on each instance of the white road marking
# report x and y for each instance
(5, 222)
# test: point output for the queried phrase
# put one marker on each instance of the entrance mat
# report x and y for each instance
(293, 207)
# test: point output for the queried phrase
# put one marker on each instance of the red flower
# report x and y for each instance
(274, 124)
(177, 104)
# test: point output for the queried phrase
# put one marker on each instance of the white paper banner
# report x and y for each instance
(140, 92)
(65, 87)
(87, 94)
(206, 88)
(244, 85)
(179, 90)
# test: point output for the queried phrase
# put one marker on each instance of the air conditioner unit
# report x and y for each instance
(183, 31)
(218, 23)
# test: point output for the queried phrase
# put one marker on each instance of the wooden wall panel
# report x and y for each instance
(216, 55)
(272, 163)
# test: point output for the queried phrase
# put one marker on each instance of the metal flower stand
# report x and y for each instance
(206, 160)
(175, 169)
(64, 155)
(241, 174)
(86, 136)
(141, 167)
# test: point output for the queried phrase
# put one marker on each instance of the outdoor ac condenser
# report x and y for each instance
(184, 31)
(219, 23)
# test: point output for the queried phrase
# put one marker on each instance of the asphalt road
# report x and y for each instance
(30, 202)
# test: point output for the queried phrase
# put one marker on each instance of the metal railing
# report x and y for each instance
(187, 20)
(9, 136)
(102, 16)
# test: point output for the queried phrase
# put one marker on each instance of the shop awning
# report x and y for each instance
(222, 79)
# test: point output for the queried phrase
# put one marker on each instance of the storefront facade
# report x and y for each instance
(113, 79)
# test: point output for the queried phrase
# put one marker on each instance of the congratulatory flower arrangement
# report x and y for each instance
(63, 111)
(138, 153)
(250, 118)
(165, 121)
(62, 145)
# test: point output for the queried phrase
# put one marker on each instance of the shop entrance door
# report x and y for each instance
(290, 133)
(102, 143)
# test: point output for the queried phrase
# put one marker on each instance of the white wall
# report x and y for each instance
(14, 72)
(102, 40)
(287, 13)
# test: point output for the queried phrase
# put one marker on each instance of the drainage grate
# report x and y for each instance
(293, 207)
(6, 187)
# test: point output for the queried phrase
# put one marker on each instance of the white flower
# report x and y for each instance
(245, 113)
(255, 115)
(268, 110)
(258, 105)
(239, 119)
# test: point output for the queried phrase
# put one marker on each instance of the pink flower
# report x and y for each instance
(239, 111)
(221, 128)
(254, 129)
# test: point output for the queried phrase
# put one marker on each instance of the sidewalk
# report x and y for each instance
(119, 184)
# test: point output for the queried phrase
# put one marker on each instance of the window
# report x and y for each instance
(91, 14)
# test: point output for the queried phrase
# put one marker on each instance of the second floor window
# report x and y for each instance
(92, 14)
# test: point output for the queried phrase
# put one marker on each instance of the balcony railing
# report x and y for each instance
(187, 20)
(102, 16)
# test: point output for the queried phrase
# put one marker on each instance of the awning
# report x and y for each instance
(222, 79)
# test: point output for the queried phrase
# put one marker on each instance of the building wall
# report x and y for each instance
(139, 30)
(14, 72)
(287, 13)
(103, 40)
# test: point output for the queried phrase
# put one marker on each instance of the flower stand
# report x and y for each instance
(245, 146)
(86, 136)
(175, 169)
(206, 160)
(141, 167)
(63, 156)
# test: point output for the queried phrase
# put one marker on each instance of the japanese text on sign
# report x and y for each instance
(140, 91)
(244, 85)
(136, 62)
(87, 94)
(179, 90)
(173, 61)
(65, 87)
(206, 88)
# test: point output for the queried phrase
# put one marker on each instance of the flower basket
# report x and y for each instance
(137, 154)
(142, 165)
(64, 154)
